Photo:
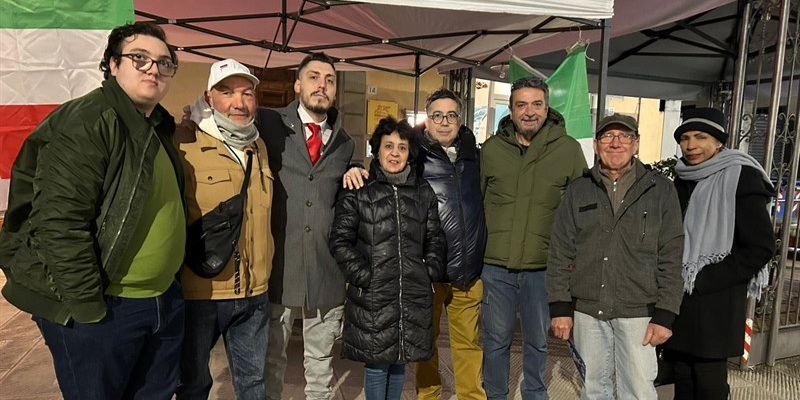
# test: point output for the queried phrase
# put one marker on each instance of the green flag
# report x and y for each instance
(518, 68)
(569, 90)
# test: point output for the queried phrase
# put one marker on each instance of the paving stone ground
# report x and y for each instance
(26, 370)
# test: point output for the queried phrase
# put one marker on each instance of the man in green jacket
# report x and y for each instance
(525, 168)
(95, 228)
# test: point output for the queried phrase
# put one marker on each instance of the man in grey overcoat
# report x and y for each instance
(308, 154)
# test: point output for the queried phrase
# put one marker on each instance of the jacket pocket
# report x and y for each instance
(28, 271)
(213, 188)
(648, 228)
(637, 286)
(643, 226)
(588, 217)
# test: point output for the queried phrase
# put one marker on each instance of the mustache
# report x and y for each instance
(321, 93)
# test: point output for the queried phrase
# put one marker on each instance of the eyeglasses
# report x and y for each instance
(143, 63)
(624, 137)
(437, 118)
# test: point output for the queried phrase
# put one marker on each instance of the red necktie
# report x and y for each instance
(314, 142)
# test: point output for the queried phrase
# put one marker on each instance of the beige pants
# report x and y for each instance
(320, 330)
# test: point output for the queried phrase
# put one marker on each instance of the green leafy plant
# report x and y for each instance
(665, 167)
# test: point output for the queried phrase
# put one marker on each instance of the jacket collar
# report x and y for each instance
(645, 178)
(465, 142)
(291, 119)
(207, 142)
(132, 117)
(377, 175)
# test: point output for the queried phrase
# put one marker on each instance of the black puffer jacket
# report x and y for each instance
(387, 241)
(457, 187)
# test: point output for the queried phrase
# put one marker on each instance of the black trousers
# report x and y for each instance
(699, 378)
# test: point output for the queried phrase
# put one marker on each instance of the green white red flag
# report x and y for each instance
(49, 53)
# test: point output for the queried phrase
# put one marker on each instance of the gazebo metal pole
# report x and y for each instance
(737, 97)
(780, 50)
(416, 87)
(602, 83)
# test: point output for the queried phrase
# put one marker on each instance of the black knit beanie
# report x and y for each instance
(708, 120)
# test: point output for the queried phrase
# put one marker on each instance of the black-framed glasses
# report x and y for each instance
(624, 137)
(437, 118)
(143, 63)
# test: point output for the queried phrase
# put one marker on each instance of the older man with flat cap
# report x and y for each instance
(614, 265)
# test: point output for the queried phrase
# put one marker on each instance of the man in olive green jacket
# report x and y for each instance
(525, 169)
(95, 228)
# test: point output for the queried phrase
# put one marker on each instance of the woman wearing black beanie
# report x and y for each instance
(728, 241)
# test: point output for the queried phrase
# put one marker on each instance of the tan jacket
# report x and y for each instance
(213, 175)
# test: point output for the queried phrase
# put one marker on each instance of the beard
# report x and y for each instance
(528, 134)
(318, 108)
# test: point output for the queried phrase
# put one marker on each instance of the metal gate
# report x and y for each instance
(764, 106)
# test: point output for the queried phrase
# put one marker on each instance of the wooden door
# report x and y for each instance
(276, 88)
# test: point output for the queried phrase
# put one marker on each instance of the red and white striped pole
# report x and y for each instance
(748, 334)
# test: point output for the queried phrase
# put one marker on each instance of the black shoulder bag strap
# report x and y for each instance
(248, 169)
(237, 257)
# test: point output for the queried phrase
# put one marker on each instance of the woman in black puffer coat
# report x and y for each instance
(387, 241)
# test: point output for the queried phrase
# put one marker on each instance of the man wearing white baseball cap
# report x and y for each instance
(222, 158)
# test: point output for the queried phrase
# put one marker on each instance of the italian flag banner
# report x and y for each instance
(50, 51)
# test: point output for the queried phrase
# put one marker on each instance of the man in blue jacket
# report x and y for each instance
(449, 162)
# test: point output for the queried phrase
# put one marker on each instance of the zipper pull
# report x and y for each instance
(644, 227)
(237, 276)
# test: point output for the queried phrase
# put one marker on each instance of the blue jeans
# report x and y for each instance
(615, 347)
(504, 292)
(132, 353)
(243, 324)
(383, 381)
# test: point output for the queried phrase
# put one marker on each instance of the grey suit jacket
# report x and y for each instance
(303, 273)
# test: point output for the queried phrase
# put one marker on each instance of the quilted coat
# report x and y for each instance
(387, 241)
(457, 186)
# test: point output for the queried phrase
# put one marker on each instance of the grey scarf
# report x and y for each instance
(234, 134)
(711, 215)
(238, 136)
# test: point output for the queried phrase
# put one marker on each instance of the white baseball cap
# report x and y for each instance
(229, 67)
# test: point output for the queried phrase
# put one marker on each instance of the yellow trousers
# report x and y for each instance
(463, 310)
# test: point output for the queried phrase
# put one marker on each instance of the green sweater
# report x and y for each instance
(155, 252)
(522, 189)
